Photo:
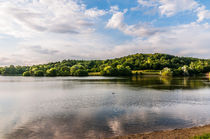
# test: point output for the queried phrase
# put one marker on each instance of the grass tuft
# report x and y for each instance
(205, 136)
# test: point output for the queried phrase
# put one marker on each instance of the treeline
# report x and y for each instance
(171, 65)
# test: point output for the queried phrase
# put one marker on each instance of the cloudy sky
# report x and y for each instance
(40, 31)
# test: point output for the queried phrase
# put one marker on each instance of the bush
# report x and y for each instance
(185, 69)
(166, 72)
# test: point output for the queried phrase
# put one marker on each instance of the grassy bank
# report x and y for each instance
(94, 74)
(205, 136)
(146, 72)
(201, 132)
(134, 72)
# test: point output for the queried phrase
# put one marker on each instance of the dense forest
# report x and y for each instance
(168, 65)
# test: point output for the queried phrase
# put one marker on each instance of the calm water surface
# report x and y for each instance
(97, 107)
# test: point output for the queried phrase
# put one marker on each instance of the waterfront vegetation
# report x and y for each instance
(205, 136)
(137, 64)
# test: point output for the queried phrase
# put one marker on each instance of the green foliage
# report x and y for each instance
(11, 70)
(166, 72)
(26, 73)
(205, 136)
(185, 70)
(38, 73)
(123, 71)
(108, 71)
(120, 70)
(64, 71)
(78, 70)
(51, 72)
(94, 73)
(141, 63)
(178, 72)
(1, 70)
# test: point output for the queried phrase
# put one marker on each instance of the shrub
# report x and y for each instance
(166, 72)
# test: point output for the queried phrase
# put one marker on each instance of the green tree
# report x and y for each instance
(178, 72)
(38, 73)
(78, 70)
(11, 70)
(109, 71)
(64, 71)
(123, 71)
(51, 72)
(116, 67)
(26, 73)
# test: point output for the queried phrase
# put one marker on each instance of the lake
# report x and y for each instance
(97, 107)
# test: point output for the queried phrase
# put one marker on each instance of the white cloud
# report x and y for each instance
(139, 30)
(49, 30)
(57, 16)
(171, 7)
(116, 20)
(148, 3)
(182, 40)
(61, 29)
(94, 12)
(114, 9)
(202, 14)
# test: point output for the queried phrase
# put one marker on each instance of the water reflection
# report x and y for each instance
(153, 82)
(99, 126)
(97, 107)
(170, 83)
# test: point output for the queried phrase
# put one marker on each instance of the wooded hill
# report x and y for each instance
(114, 67)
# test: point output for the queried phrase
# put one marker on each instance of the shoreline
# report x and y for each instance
(183, 133)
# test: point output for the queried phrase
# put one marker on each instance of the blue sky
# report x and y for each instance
(41, 31)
